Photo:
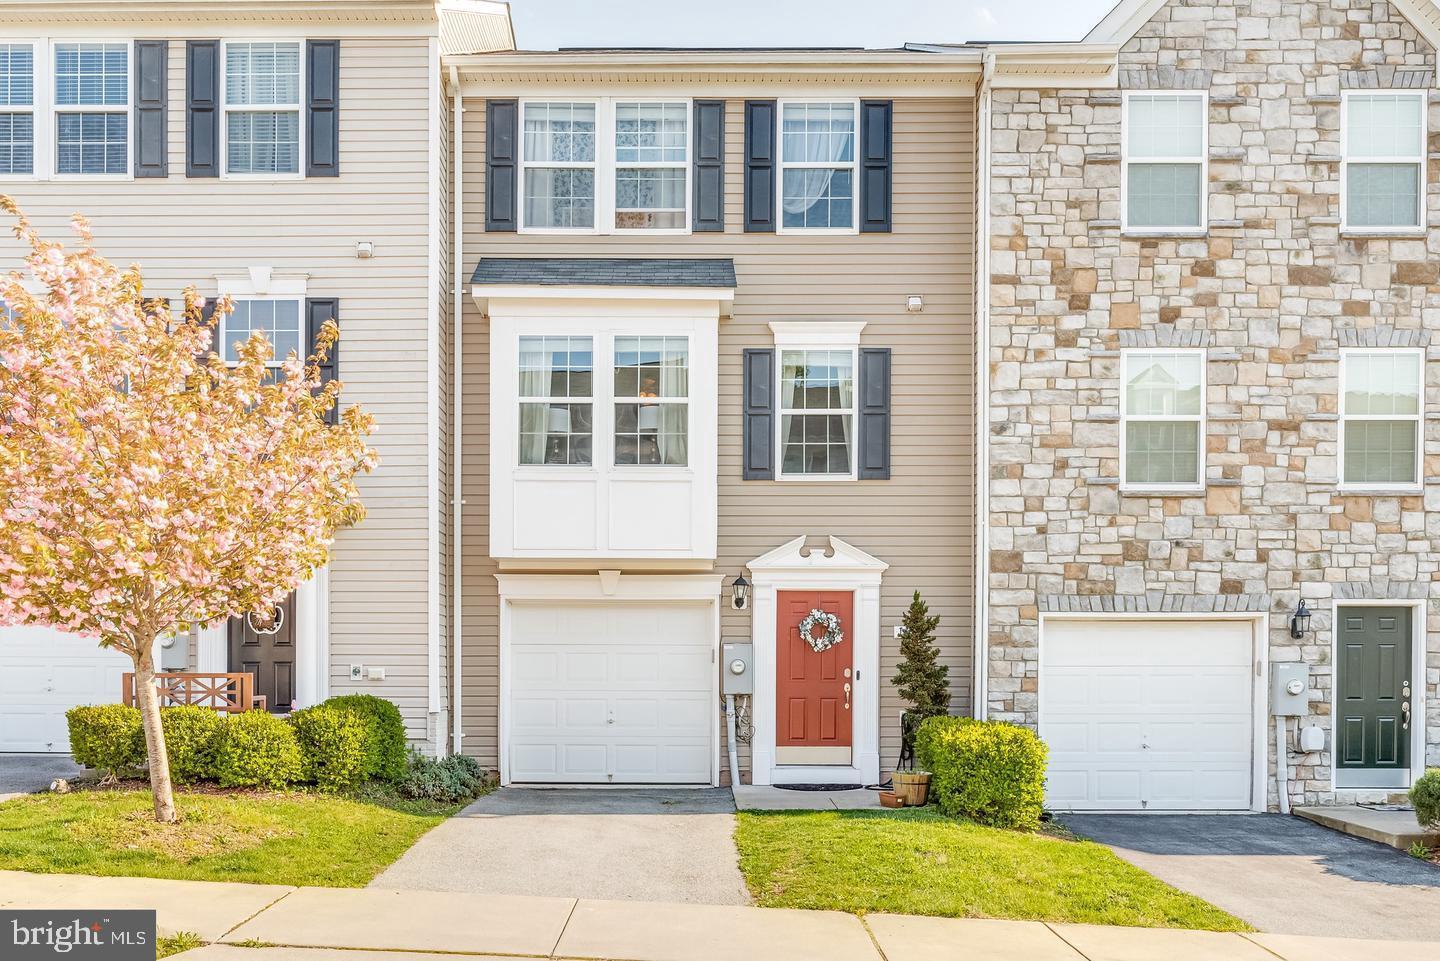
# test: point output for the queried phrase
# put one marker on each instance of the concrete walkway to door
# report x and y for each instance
(620, 844)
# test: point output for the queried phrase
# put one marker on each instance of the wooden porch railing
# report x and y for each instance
(231, 693)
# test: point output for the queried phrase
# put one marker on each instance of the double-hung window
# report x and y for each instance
(557, 383)
(1381, 413)
(817, 412)
(262, 107)
(558, 165)
(1164, 137)
(280, 319)
(652, 165)
(92, 108)
(652, 409)
(17, 108)
(817, 166)
(1162, 406)
(1384, 160)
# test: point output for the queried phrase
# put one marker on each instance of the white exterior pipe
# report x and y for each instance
(730, 740)
(1282, 766)
(457, 397)
(981, 707)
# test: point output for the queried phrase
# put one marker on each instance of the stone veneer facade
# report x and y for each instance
(1272, 290)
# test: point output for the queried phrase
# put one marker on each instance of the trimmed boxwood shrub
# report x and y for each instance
(385, 749)
(334, 741)
(192, 737)
(988, 771)
(1425, 795)
(451, 780)
(107, 737)
(258, 749)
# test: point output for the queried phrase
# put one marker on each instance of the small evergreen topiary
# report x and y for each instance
(192, 737)
(1425, 795)
(451, 780)
(258, 750)
(920, 678)
(107, 737)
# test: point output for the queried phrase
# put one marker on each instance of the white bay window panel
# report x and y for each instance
(652, 165)
(262, 107)
(817, 166)
(652, 411)
(1381, 415)
(92, 108)
(17, 108)
(1162, 419)
(1165, 161)
(817, 413)
(558, 164)
(1384, 160)
(557, 376)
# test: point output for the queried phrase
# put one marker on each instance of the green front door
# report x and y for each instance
(1373, 704)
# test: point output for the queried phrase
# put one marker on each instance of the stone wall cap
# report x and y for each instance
(1103, 481)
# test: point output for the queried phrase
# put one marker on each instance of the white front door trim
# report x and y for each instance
(312, 642)
(1260, 692)
(1418, 718)
(606, 586)
(793, 567)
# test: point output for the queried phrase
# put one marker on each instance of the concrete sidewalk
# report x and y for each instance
(329, 924)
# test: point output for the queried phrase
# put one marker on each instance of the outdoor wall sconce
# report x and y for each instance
(1300, 621)
(740, 593)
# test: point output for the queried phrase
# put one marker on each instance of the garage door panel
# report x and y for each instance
(44, 673)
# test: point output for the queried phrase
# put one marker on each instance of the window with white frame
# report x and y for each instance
(558, 165)
(17, 108)
(652, 165)
(1381, 410)
(92, 108)
(1384, 160)
(652, 409)
(817, 412)
(1162, 416)
(817, 166)
(1165, 159)
(279, 319)
(262, 107)
(557, 384)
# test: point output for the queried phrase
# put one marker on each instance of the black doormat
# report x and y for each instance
(819, 787)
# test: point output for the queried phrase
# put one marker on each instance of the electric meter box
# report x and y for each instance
(1289, 689)
(737, 667)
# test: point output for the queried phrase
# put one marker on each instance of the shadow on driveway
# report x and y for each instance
(1283, 874)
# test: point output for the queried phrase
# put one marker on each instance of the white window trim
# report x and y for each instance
(54, 110)
(1415, 484)
(780, 412)
(605, 167)
(34, 108)
(226, 109)
(1187, 487)
(1420, 160)
(521, 399)
(276, 361)
(656, 401)
(781, 164)
(1203, 159)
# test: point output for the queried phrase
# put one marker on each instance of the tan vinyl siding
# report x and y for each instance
(182, 231)
(920, 521)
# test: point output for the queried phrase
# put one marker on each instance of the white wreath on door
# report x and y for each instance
(832, 636)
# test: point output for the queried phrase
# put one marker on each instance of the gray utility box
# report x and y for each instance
(737, 668)
(1290, 689)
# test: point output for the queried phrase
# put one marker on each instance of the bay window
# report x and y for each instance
(817, 166)
(17, 108)
(92, 108)
(557, 380)
(817, 413)
(1383, 173)
(1162, 418)
(262, 107)
(1164, 150)
(1381, 412)
(652, 411)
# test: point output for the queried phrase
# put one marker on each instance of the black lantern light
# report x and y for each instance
(740, 593)
(1300, 621)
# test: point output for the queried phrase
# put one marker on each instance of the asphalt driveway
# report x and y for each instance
(1283, 874)
(616, 844)
(28, 773)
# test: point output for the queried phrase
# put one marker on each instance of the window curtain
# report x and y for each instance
(815, 181)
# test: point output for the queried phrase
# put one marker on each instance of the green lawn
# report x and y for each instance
(289, 838)
(920, 862)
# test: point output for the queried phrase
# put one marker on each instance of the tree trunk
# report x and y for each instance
(149, 701)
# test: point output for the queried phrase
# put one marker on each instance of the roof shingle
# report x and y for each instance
(605, 271)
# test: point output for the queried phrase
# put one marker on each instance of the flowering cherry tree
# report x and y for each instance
(145, 486)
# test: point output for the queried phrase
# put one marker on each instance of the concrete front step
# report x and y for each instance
(1398, 829)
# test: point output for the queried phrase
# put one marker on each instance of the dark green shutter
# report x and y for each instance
(502, 118)
(151, 91)
(759, 414)
(322, 108)
(760, 162)
(709, 166)
(317, 311)
(202, 108)
(873, 460)
(876, 178)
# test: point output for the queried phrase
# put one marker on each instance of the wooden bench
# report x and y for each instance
(230, 693)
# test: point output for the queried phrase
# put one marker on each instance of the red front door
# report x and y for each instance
(814, 691)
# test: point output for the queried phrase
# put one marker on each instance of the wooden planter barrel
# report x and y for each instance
(912, 786)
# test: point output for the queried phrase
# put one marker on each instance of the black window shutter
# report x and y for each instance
(317, 311)
(760, 149)
(207, 314)
(322, 108)
(151, 91)
(874, 457)
(202, 108)
(502, 119)
(876, 138)
(759, 419)
(709, 164)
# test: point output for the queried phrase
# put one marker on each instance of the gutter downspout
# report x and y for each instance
(457, 398)
(981, 697)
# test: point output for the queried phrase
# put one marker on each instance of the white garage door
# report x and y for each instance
(1147, 715)
(611, 693)
(44, 673)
